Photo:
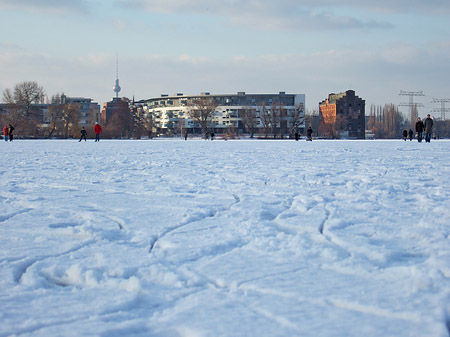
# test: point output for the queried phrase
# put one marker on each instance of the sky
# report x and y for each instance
(222, 47)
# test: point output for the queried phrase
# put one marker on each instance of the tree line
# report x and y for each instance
(387, 122)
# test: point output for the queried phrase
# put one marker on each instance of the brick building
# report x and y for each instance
(342, 116)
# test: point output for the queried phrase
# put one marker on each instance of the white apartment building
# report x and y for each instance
(171, 113)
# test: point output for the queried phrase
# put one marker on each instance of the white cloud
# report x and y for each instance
(271, 7)
(8, 46)
(263, 14)
(47, 6)
(305, 15)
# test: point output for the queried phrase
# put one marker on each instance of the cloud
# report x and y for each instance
(262, 14)
(434, 7)
(47, 6)
(10, 47)
(302, 15)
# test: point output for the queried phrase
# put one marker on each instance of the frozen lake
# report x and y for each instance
(225, 238)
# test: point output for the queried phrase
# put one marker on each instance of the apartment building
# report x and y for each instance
(281, 113)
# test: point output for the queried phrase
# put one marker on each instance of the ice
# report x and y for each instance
(225, 238)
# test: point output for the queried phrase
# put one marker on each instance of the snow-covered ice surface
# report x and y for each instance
(225, 238)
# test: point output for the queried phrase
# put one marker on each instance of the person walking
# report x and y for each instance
(10, 132)
(309, 133)
(98, 130)
(411, 134)
(5, 133)
(83, 134)
(297, 136)
(185, 135)
(428, 126)
(419, 129)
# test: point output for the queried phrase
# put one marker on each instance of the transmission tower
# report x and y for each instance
(443, 109)
(412, 106)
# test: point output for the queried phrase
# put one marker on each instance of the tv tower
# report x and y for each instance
(116, 87)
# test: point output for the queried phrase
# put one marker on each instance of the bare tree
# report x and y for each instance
(70, 114)
(249, 119)
(297, 118)
(441, 128)
(149, 123)
(386, 121)
(24, 95)
(275, 118)
(265, 119)
(19, 101)
(201, 110)
(121, 125)
(62, 118)
(54, 116)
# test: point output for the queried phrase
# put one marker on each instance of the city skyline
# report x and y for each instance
(164, 47)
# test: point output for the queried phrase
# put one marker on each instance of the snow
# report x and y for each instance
(225, 238)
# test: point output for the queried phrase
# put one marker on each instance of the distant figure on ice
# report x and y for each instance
(309, 133)
(405, 134)
(10, 132)
(83, 134)
(185, 135)
(428, 124)
(206, 135)
(411, 134)
(419, 129)
(212, 135)
(5, 133)
(98, 130)
(297, 136)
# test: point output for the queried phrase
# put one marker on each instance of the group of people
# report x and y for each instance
(309, 133)
(8, 133)
(424, 126)
(97, 130)
(421, 128)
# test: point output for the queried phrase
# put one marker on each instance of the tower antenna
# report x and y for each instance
(116, 87)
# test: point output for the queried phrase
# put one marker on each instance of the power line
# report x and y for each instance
(443, 109)
(412, 106)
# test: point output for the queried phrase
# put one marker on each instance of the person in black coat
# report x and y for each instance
(405, 134)
(83, 134)
(411, 134)
(428, 128)
(309, 133)
(11, 130)
(419, 129)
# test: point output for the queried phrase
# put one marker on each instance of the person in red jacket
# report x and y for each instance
(98, 130)
(5, 132)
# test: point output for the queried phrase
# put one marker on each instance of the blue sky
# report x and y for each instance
(166, 46)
